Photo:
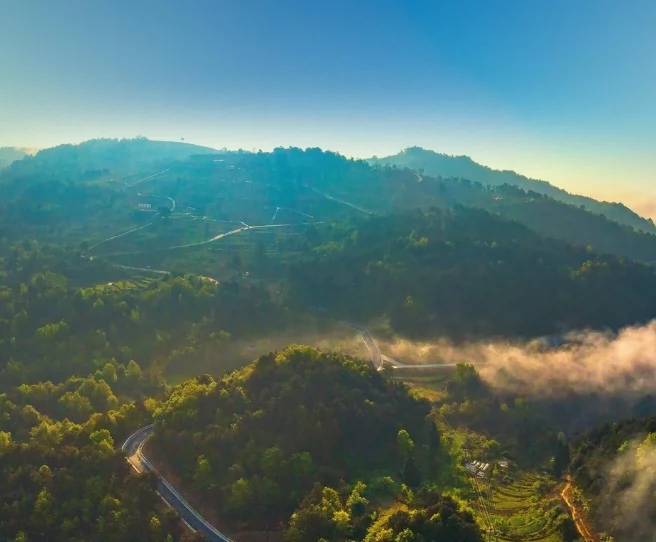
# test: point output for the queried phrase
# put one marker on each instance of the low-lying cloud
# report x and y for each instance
(628, 496)
(587, 362)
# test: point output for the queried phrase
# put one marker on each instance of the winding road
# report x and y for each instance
(133, 448)
(378, 360)
(134, 444)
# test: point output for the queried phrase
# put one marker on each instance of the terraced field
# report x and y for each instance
(525, 509)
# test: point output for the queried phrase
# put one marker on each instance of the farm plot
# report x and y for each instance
(526, 508)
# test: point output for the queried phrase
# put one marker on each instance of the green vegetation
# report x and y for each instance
(50, 331)
(526, 507)
(613, 467)
(302, 439)
(283, 424)
(8, 155)
(82, 195)
(71, 389)
(63, 478)
(128, 266)
(467, 273)
(317, 433)
(97, 157)
(463, 167)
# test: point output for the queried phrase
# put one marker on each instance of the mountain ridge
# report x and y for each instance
(8, 155)
(439, 164)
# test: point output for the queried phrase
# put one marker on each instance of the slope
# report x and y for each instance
(281, 433)
(8, 155)
(280, 196)
(613, 465)
(98, 157)
(467, 272)
(437, 164)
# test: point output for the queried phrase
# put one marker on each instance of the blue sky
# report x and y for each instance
(556, 89)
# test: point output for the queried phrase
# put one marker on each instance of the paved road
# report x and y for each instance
(377, 359)
(133, 448)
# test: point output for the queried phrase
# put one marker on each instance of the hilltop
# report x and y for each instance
(8, 155)
(436, 164)
(259, 205)
(97, 157)
(309, 431)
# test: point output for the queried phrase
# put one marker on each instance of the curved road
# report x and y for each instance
(378, 359)
(133, 448)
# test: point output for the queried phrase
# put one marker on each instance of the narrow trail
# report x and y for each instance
(291, 211)
(343, 202)
(145, 179)
(577, 514)
(117, 236)
(208, 241)
(155, 196)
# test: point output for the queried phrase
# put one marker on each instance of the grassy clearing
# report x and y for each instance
(137, 282)
(427, 383)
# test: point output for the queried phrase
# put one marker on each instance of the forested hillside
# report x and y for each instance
(321, 432)
(127, 267)
(81, 368)
(100, 157)
(50, 330)
(443, 165)
(83, 196)
(614, 465)
(318, 446)
(8, 155)
(467, 273)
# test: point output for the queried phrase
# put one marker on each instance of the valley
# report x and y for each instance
(299, 272)
(135, 303)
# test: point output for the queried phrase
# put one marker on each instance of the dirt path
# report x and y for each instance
(578, 515)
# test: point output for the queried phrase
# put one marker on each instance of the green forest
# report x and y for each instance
(209, 293)
(467, 273)
(443, 165)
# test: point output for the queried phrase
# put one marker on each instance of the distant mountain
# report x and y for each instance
(8, 155)
(443, 165)
(92, 196)
(99, 157)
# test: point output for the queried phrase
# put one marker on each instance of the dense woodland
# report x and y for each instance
(281, 433)
(467, 273)
(443, 165)
(615, 467)
(50, 330)
(75, 194)
(63, 474)
(103, 303)
(284, 423)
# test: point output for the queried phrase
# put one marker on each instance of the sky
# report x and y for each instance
(558, 90)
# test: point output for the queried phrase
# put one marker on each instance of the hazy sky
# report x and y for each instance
(563, 90)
